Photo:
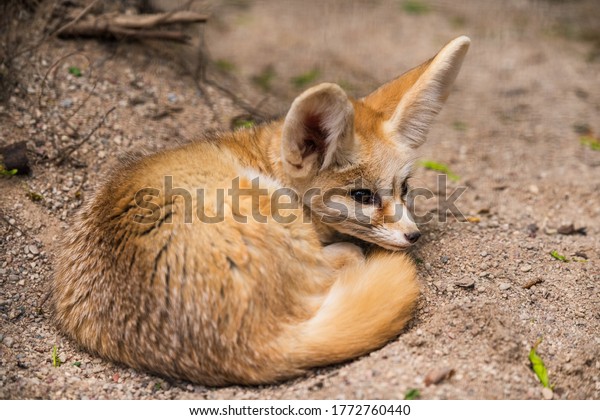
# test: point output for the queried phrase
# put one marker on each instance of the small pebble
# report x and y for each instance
(465, 283)
(525, 268)
(438, 375)
(445, 259)
(66, 103)
(8, 341)
(98, 369)
(547, 393)
(504, 286)
(171, 97)
(33, 249)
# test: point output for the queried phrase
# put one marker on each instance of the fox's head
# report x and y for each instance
(350, 159)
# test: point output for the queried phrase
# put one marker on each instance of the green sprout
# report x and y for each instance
(440, 167)
(412, 394)
(537, 365)
(459, 125)
(590, 142)
(558, 257)
(265, 78)
(56, 362)
(225, 66)
(7, 172)
(304, 79)
(415, 7)
(75, 71)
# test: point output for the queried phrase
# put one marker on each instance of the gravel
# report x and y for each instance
(473, 316)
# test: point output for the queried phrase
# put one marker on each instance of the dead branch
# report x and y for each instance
(132, 26)
(145, 21)
(77, 18)
(252, 110)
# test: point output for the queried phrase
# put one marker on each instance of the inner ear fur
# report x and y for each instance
(318, 131)
(410, 102)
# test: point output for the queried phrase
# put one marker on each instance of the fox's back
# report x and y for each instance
(141, 274)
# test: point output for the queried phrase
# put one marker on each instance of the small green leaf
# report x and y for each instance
(305, 78)
(458, 22)
(243, 124)
(35, 197)
(459, 125)
(243, 121)
(77, 364)
(7, 173)
(265, 78)
(346, 85)
(75, 71)
(412, 394)
(558, 257)
(225, 65)
(157, 386)
(415, 7)
(537, 364)
(591, 142)
(56, 362)
(440, 167)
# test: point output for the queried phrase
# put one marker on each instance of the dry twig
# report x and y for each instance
(66, 152)
(132, 26)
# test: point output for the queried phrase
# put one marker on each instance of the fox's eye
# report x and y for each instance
(365, 196)
(404, 188)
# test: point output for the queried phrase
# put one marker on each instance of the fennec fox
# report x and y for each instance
(192, 263)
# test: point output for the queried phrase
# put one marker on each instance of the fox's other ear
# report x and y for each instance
(410, 102)
(318, 131)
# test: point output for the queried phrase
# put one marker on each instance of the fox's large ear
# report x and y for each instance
(318, 131)
(410, 102)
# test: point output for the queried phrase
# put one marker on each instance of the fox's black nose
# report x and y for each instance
(413, 236)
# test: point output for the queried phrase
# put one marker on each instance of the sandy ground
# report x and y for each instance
(511, 131)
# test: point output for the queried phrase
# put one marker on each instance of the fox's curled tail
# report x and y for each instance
(366, 306)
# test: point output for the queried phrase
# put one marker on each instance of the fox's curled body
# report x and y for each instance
(260, 300)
